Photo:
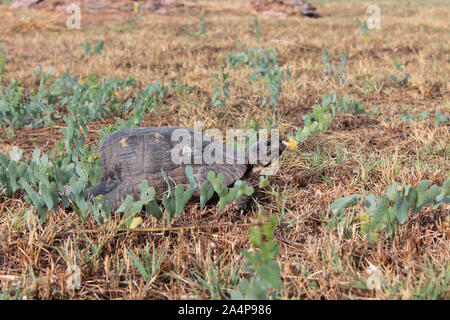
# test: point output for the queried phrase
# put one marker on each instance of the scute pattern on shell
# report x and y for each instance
(129, 156)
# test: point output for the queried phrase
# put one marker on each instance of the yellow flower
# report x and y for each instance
(8, 14)
(291, 144)
(136, 7)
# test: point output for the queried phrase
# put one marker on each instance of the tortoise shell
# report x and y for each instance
(129, 156)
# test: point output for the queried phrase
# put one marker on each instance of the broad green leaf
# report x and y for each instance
(32, 195)
(371, 202)
(380, 218)
(47, 191)
(169, 205)
(237, 295)
(445, 191)
(16, 154)
(404, 202)
(227, 197)
(392, 190)
(182, 196)
(391, 223)
(217, 182)
(270, 272)
(125, 204)
(338, 207)
(242, 189)
(154, 209)
(444, 195)
(425, 195)
(147, 194)
(206, 194)
(192, 179)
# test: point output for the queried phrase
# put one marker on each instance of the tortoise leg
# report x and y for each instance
(93, 191)
(110, 189)
(239, 207)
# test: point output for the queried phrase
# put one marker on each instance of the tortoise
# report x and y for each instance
(129, 156)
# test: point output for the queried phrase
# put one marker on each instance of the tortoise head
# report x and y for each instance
(263, 152)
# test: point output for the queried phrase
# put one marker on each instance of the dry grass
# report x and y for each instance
(356, 154)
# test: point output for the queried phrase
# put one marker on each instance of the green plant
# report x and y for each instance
(202, 24)
(182, 88)
(221, 90)
(98, 48)
(343, 61)
(87, 47)
(44, 178)
(386, 212)
(157, 90)
(213, 280)
(339, 73)
(402, 77)
(3, 63)
(130, 208)
(149, 266)
(362, 27)
(433, 282)
(407, 118)
(440, 118)
(173, 201)
(119, 125)
(19, 107)
(256, 29)
(39, 177)
(264, 181)
(424, 115)
(274, 87)
(327, 62)
(321, 116)
(339, 219)
(226, 194)
(262, 60)
(264, 271)
(206, 194)
(12, 116)
(89, 100)
(265, 64)
(176, 197)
